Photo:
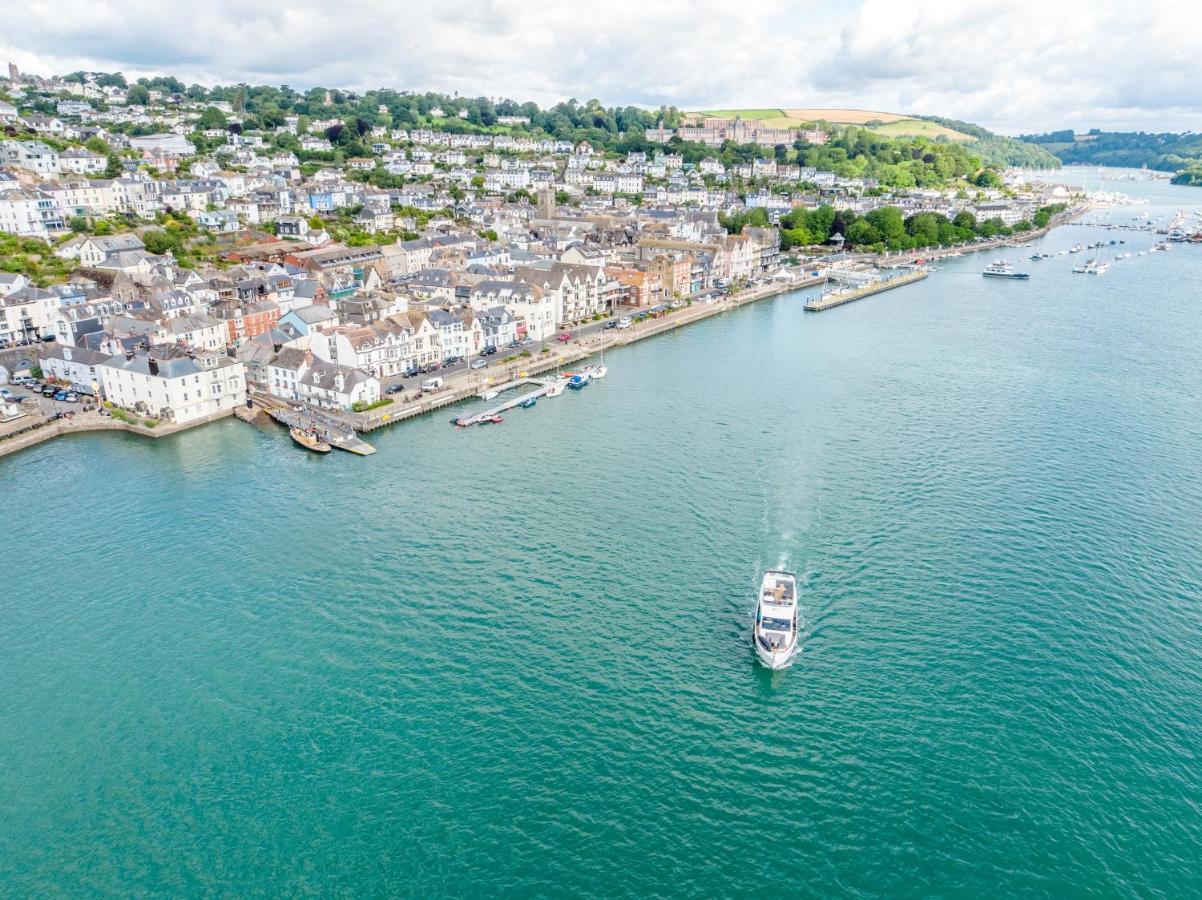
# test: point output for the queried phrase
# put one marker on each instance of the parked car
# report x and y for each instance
(395, 389)
(49, 390)
(60, 395)
(564, 337)
(452, 360)
(624, 322)
(488, 351)
(478, 363)
(431, 384)
(524, 342)
(72, 397)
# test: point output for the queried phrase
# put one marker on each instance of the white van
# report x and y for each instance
(432, 384)
(625, 322)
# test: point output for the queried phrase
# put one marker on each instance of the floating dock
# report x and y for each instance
(831, 299)
(540, 391)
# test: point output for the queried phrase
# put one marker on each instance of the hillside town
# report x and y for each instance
(192, 254)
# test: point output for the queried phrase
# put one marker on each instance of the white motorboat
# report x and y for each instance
(777, 620)
(558, 386)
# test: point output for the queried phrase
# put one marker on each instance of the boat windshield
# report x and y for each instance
(776, 625)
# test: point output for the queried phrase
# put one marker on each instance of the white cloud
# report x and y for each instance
(1010, 64)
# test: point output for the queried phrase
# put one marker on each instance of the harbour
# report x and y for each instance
(302, 660)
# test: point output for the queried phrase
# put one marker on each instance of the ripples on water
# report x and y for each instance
(516, 659)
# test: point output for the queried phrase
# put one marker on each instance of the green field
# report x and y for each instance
(920, 128)
(747, 114)
(892, 124)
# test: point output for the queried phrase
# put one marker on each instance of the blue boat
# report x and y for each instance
(577, 382)
(527, 403)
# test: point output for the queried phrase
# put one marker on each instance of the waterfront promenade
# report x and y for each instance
(591, 340)
(468, 385)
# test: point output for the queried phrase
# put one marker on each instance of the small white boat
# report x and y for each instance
(558, 386)
(600, 371)
(776, 620)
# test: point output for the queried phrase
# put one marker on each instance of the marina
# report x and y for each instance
(525, 401)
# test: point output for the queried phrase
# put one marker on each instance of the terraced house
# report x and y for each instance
(383, 348)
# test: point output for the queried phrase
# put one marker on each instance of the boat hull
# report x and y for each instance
(779, 659)
(309, 442)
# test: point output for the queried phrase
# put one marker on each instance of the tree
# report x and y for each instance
(97, 145)
(212, 117)
(888, 222)
(114, 167)
(158, 241)
(861, 231)
(139, 95)
(987, 178)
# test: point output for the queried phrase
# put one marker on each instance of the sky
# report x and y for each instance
(1011, 65)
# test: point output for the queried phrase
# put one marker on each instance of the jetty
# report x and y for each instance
(540, 391)
(334, 433)
(839, 296)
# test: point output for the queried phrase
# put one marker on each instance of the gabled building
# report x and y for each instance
(176, 387)
(382, 348)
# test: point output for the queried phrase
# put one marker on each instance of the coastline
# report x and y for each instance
(473, 387)
(40, 430)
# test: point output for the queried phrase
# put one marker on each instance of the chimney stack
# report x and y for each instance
(153, 364)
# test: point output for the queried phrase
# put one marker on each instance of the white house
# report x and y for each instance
(299, 376)
(79, 161)
(179, 389)
(459, 332)
(382, 348)
(75, 365)
(32, 155)
(27, 313)
(20, 213)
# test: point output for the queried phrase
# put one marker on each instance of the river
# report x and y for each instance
(515, 659)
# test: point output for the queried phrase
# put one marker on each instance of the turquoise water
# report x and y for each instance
(516, 660)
